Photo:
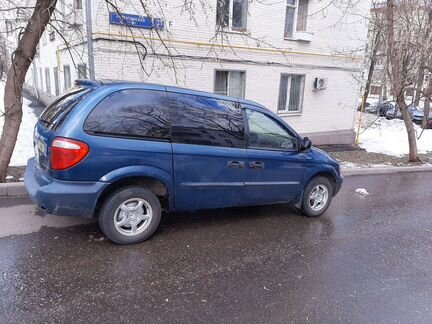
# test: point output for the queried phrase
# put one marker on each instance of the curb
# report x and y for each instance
(17, 189)
(346, 172)
(12, 189)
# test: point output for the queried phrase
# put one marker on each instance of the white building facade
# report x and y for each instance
(299, 58)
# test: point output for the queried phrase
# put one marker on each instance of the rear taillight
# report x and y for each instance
(65, 153)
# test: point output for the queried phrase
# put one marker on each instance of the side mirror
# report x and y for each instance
(305, 144)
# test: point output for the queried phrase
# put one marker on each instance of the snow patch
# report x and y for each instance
(24, 145)
(362, 191)
(350, 165)
(390, 137)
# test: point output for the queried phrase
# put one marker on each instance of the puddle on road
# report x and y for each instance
(20, 216)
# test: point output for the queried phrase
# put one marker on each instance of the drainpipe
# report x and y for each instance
(91, 66)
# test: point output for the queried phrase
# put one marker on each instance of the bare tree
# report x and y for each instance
(408, 41)
(20, 63)
(375, 44)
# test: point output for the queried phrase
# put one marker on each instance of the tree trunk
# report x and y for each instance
(426, 109)
(426, 112)
(420, 81)
(412, 139)
(398, 78)
(21, 60)
(373, 60)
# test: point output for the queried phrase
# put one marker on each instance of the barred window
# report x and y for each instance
(230, 83)
(291, 92)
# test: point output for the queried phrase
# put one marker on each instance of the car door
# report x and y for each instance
(274, 166)
(209, 152)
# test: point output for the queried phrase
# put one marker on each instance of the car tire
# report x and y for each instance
(130, 215)
(320, 188)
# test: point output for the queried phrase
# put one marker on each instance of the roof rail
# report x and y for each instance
(87, 83)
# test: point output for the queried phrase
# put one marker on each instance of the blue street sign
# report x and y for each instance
(135, 21)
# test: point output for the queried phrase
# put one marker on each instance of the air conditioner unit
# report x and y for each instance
(320, 84)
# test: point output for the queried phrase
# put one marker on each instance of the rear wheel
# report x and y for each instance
(317, 197)
(130, 215)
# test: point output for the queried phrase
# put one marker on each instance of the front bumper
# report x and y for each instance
(338, 185)
(66, 198)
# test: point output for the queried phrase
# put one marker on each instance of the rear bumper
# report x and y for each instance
(66, 198)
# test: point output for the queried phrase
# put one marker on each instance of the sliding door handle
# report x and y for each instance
(235, 164)
(256, 165)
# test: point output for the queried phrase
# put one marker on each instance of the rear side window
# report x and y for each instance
(206, 121)
(54, 115)
(131, 113)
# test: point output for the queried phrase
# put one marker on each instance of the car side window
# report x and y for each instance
(266, 133)
(131, 112)
(206, 121)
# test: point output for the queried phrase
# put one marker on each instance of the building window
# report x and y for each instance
(291, 92)
(296, 16)
(44, 38)
(9, 27)
(239, 15)
(35, 78)
(375, 90)
(230, 83)
(82, 71)
(238, 10)
(409, 92)
(47, 80)
(56, 82)
(67, 77)
(41, 79)
(222, 13)
(77, 4)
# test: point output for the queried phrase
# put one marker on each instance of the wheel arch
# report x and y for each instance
(327, 173)
(158, 187)
(156, 180)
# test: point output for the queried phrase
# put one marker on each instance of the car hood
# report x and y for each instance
(323, 157)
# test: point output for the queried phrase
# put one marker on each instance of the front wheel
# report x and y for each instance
(317, 197)
(130, 215)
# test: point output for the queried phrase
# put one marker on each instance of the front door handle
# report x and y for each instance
(235, 164)
(256, 165)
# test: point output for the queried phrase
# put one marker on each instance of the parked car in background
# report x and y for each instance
(366, 106)
(418, 115)
(396, 113)
(123, 152)
(384, 107)
(393, 112)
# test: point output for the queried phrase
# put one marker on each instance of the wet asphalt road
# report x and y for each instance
(367, 260)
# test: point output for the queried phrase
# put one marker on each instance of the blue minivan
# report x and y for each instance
(124, 152)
